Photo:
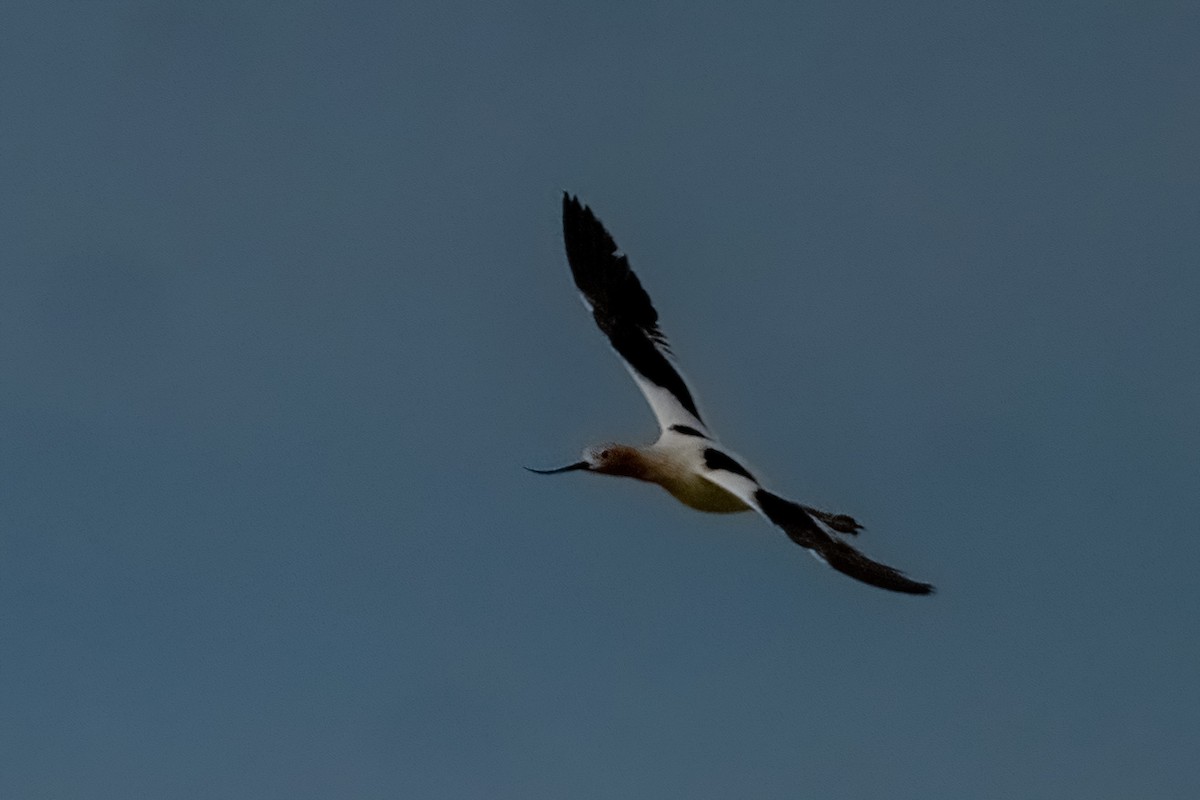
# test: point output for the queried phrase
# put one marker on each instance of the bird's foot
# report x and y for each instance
(842, 523)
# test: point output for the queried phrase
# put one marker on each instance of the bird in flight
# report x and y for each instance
(687, 460)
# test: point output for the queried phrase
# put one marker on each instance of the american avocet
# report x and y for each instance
(687, 460)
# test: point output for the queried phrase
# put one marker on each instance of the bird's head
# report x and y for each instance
(608, 459)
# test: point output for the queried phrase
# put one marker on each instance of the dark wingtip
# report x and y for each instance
(795, 521)
(896, 582)
(571, 208)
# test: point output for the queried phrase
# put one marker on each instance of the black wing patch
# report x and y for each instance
(620, 305)
(802, 530)
(715, 459)
(688, 430)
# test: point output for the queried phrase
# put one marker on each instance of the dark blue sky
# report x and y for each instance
(284, 309)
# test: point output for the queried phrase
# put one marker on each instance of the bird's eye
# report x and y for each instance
(604, 454)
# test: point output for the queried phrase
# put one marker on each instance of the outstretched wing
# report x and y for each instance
(807, 532)
(623, 311)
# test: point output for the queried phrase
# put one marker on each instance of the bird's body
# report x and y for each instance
(687, 460)
(676, 463)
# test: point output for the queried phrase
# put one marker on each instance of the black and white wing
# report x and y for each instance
(804, 530)
(623, 311)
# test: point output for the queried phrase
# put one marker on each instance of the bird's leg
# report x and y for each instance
(842, 523)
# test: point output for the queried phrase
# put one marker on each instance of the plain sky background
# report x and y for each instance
(284, 310)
